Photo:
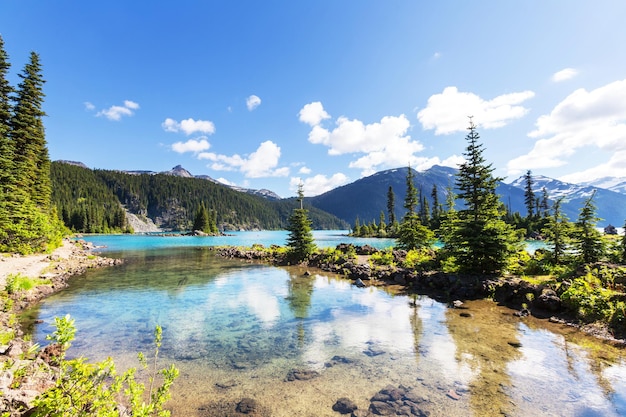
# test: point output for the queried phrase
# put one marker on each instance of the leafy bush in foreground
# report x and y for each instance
(86, 389)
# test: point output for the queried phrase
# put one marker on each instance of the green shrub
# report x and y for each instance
(16, 283)
(6, 336)
(588, 299)
(421, 259)
(383, 257)
(86, 389)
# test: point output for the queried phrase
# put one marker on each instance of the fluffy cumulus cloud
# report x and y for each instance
(447, 112)
(189, 126)
(595, 118)
(318, 184)
(192, 145)
(313, 113)
(89, 106)
(382, 144)
(564, 75)
(261, 163)
(253, 102)
(116, 112)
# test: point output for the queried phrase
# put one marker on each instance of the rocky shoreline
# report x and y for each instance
(25, 372)
(538, 300)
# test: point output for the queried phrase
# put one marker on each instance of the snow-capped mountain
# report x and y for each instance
(556, 188)
(610, 204)
(610, 183)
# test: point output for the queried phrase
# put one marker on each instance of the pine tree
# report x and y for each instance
(32, 163)
(410, 200)
(300, 240)
(391, 205)
(435, 218)
(412, 234)
(479, 239)
(557, 232)
(529, 195)
(382, 226)
(201, 220)
(424, 210)
(7, 178)
(588, 238)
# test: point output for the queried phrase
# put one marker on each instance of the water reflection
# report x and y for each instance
(249, 323)
(486, 346)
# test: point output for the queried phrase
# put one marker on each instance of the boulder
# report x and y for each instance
(247, 406)
(548, 300)
(344, 406)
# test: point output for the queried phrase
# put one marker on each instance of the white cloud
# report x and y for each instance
(131, 105)
(188, 126)
(253, 102)
(261, 163)
(448, 111)
(384, 143)
(318, 184)
(614, 167)
(304, 170)
(89, 106)
(564, 74)
(436, 55)
(313, 113)
(192, 145)
(117, 112)
(594, 118)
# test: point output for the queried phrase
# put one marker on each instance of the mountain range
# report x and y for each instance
(367, 197)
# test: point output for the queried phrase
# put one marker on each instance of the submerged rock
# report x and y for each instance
(301, 375)
(247, 406)
(344, 406)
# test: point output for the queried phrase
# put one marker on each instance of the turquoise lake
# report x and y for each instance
(236, 329)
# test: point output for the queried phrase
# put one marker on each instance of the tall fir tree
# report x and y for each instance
(529, 195)
(411, 200)
(8, 204)
(391, 205)
(412, 234)
(435, 217)
(479, 239)
(32, 163)
(588, 239)
(300, 239)
(32, 221)
(557, 232)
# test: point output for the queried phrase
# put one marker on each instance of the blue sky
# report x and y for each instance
(265, 94)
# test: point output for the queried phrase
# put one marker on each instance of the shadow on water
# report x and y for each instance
(238, 329)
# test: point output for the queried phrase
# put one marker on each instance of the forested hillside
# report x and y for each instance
(84, 202)
(93, 201)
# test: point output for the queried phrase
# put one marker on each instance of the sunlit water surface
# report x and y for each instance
(236, 329)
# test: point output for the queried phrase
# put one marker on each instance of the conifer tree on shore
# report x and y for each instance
(7, 179)
(300, 240)
(479, 239)
(28, 221)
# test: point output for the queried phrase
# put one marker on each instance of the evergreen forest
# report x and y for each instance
(28, 220)
(94, 201)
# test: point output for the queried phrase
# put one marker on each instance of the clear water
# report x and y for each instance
(236, 329)
(323, 239)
